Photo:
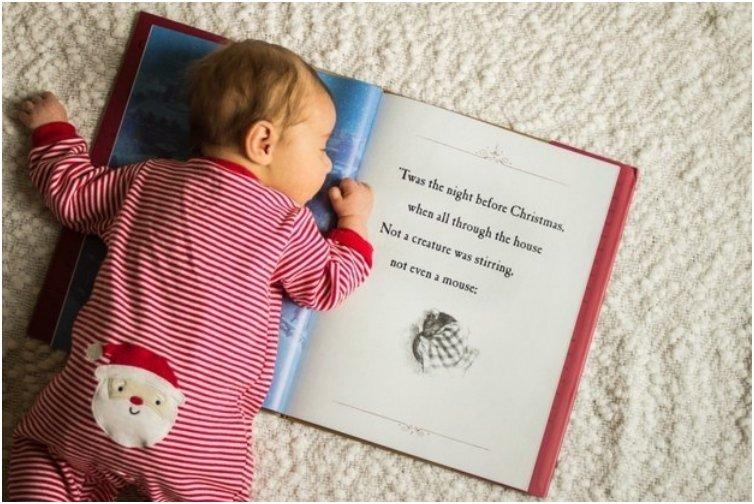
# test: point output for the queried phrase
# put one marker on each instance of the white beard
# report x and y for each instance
(116, 417)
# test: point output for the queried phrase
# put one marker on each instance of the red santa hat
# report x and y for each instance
(131, 361)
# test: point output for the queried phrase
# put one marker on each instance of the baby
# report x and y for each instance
(174, 352)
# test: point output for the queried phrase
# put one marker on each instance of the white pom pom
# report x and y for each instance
(94, 351)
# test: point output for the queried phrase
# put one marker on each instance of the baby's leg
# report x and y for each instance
(34, 474)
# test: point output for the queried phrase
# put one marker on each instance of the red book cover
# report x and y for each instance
(594, 294)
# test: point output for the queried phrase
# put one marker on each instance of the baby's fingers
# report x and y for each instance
(335, 194)
(347, 185)
(24, 117)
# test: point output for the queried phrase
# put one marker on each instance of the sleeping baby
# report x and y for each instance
(174, 352)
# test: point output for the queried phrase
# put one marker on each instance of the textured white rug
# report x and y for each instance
(664, 410)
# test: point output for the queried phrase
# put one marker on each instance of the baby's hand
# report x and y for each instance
(41, 109)
(352, 202)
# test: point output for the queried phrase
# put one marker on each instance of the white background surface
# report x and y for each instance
(664, 407)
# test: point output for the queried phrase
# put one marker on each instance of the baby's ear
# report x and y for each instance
(260, 141)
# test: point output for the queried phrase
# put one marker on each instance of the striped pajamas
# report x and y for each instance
(199, 256)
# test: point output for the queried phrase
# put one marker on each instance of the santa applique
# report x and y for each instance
(137, 397)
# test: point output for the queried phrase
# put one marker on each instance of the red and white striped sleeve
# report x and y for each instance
(83, 197)
(321, 271)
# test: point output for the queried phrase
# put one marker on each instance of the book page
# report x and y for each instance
(453, 348)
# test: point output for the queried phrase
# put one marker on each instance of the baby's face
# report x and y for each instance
(300, 163)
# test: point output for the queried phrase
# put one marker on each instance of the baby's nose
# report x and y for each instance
(136, 400)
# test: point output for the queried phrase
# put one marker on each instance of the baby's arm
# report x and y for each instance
(83, 197)
(320, 271)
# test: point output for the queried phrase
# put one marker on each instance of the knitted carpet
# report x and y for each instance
(664, 407)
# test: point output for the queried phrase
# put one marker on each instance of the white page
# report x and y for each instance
(360, 376)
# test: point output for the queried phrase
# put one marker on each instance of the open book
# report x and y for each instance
(492, 254)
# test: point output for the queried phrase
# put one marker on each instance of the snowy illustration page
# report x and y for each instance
(452, 350)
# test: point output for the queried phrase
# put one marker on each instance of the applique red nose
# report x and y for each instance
(136, 400)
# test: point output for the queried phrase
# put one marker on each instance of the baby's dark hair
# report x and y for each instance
(241, 83)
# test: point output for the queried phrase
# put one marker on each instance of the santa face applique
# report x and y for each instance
(137, 397)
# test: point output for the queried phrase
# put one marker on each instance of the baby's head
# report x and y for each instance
(263, 106)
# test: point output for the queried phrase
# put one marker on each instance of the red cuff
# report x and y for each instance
(52, 132)
(352, 239)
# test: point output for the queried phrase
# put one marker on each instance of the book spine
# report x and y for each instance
(586, 322)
